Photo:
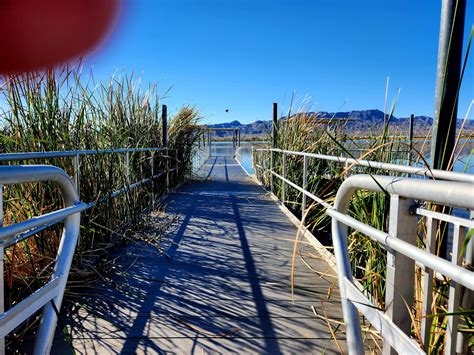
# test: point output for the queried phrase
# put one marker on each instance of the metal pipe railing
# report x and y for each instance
(53, 291)
(24, 174)
(400, 243)
(441, 192)
(419, 171)
(72, 153)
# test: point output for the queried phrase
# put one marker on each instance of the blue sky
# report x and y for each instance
(242, 55)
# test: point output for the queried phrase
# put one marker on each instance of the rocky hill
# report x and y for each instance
(359, 122)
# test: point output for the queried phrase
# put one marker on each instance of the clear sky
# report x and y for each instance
(242, 55)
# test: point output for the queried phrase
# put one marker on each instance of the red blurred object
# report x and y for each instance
(35, 34)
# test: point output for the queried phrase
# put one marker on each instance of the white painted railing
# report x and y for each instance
(394, 322)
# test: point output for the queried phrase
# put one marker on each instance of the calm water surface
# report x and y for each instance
(463, 164)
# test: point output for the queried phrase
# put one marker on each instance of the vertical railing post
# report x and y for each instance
(274, 125)
(2, 280)
(127, 167)
(167, 167)
(400, 269)
(410, 139)
(274, 140)
(234, 139)
(164, 142)
(305, 183)
(77, 173)
(164, 126)
(209, 142)
(454, 300)
(177, 164)
(127, 178)
(152, 169)
(253, 161)
(283, 183)
(347, 169)
(426, 307)
(467, 301)
(271, 170)
(264, 167)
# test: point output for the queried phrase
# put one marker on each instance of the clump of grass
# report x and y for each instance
(66, 109)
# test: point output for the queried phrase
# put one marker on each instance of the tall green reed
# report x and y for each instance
(67, 109)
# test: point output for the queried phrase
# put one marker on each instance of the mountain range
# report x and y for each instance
(359, 122)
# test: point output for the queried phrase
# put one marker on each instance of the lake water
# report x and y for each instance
(226, 149)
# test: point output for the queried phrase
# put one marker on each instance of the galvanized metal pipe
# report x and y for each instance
(427, 172)
(344, 271)
(164, 126)
(410, 138)
(447, 193)
(35, 173)
(434, 191)
(77, 173)
(271, 169)
(305, 183)
(152, 170)
(456, 194)
(283, 183)
(70, 153)
(448, 73)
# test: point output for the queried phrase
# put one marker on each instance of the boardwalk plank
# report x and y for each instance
(223, 287)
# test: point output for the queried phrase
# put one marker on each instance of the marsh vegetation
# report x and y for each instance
(67, 109)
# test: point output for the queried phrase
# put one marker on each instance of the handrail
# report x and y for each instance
(70, 214)
(441, 192)
(72, 153)
(400, 243)
(10, 175)
(419, 171)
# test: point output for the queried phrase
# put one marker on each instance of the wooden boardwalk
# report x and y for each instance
(223, 287)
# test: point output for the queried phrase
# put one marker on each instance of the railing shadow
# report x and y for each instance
(206, 292)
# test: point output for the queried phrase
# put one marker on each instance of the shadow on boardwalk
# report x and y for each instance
(223, 286)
